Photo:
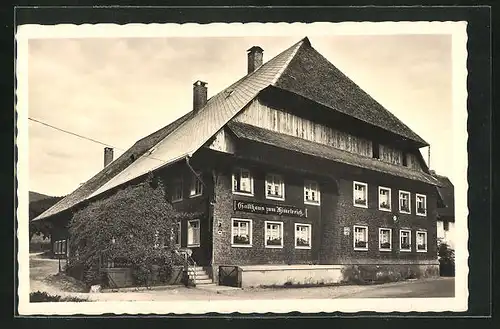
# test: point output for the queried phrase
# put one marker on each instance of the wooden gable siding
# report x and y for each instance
(263, 116)
(413, 162)
(223, 142)
(391, 155)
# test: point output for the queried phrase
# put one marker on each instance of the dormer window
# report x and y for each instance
(242, 182)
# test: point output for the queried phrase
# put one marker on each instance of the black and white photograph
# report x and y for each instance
(256, 167)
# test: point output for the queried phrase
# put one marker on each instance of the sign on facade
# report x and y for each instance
(347, 230)
(268, 209)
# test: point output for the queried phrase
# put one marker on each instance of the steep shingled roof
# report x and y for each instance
(300, 145)
(312, 76)
(111, 170)
(447, 192)
(221, 108)
(299, 69)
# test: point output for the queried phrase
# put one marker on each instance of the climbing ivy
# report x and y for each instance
(135, 226)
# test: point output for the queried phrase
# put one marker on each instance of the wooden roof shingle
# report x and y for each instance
(299, 69)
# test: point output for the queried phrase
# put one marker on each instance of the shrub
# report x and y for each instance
(446, 257)
(136, 227)
(38, 296)
(369, 274)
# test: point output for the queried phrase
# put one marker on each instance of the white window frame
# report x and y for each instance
(417, 195)
(380, 240)
(193, 245)
(416, 238)
(176, 186)
(62, 245)
(240, 170)
(194, 182)
(250, 232)
(354, 183)
(383, 188)
(309, 235)
(179, 234)
(354, 237)
(308, 187)
(409, 240)
(401, 192)
(266, 235)
(282, 184)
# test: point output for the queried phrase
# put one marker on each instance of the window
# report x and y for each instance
(376, 151)
(421, 241)
(360, 195)
(241, 233)
(405, 240)
(404, 202)
(193, 233)
(242, 182)
(384, 198)
(196, 186)
(178, 235)
(360, 237)
(177, 191)
(60, 247)
(385, 239)
(274, 235)
(446, 225)
(303, 236)
(275, 187)
(311, 192)
(421, 205)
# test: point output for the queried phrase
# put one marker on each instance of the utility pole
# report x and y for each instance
(429, 157)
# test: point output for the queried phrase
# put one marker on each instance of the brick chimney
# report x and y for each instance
(199, 95)
(255, 58)
(108, 155)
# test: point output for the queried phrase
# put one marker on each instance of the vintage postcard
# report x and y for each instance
(251, 168)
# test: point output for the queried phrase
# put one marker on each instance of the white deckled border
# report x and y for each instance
(459, 177)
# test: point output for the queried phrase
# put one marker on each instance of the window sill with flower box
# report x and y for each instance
(302, 244)
(422, 248)
(312, 203)
(360, 203)
(274, 243)
(405, 211)
(422, 212)
(361, 246)
(244, 193)
(384, 207)
(405, 248)
(241, 242)
(385, 247)
(275, 197)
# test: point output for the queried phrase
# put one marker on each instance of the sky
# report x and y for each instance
(118, 90)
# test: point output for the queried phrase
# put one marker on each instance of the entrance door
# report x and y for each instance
(199, 240)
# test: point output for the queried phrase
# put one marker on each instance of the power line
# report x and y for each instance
(87, 138)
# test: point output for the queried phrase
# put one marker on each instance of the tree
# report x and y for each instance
(137, 226)
(446, 260)
(36, 208)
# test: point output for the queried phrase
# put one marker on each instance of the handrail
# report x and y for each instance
(187, 260)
